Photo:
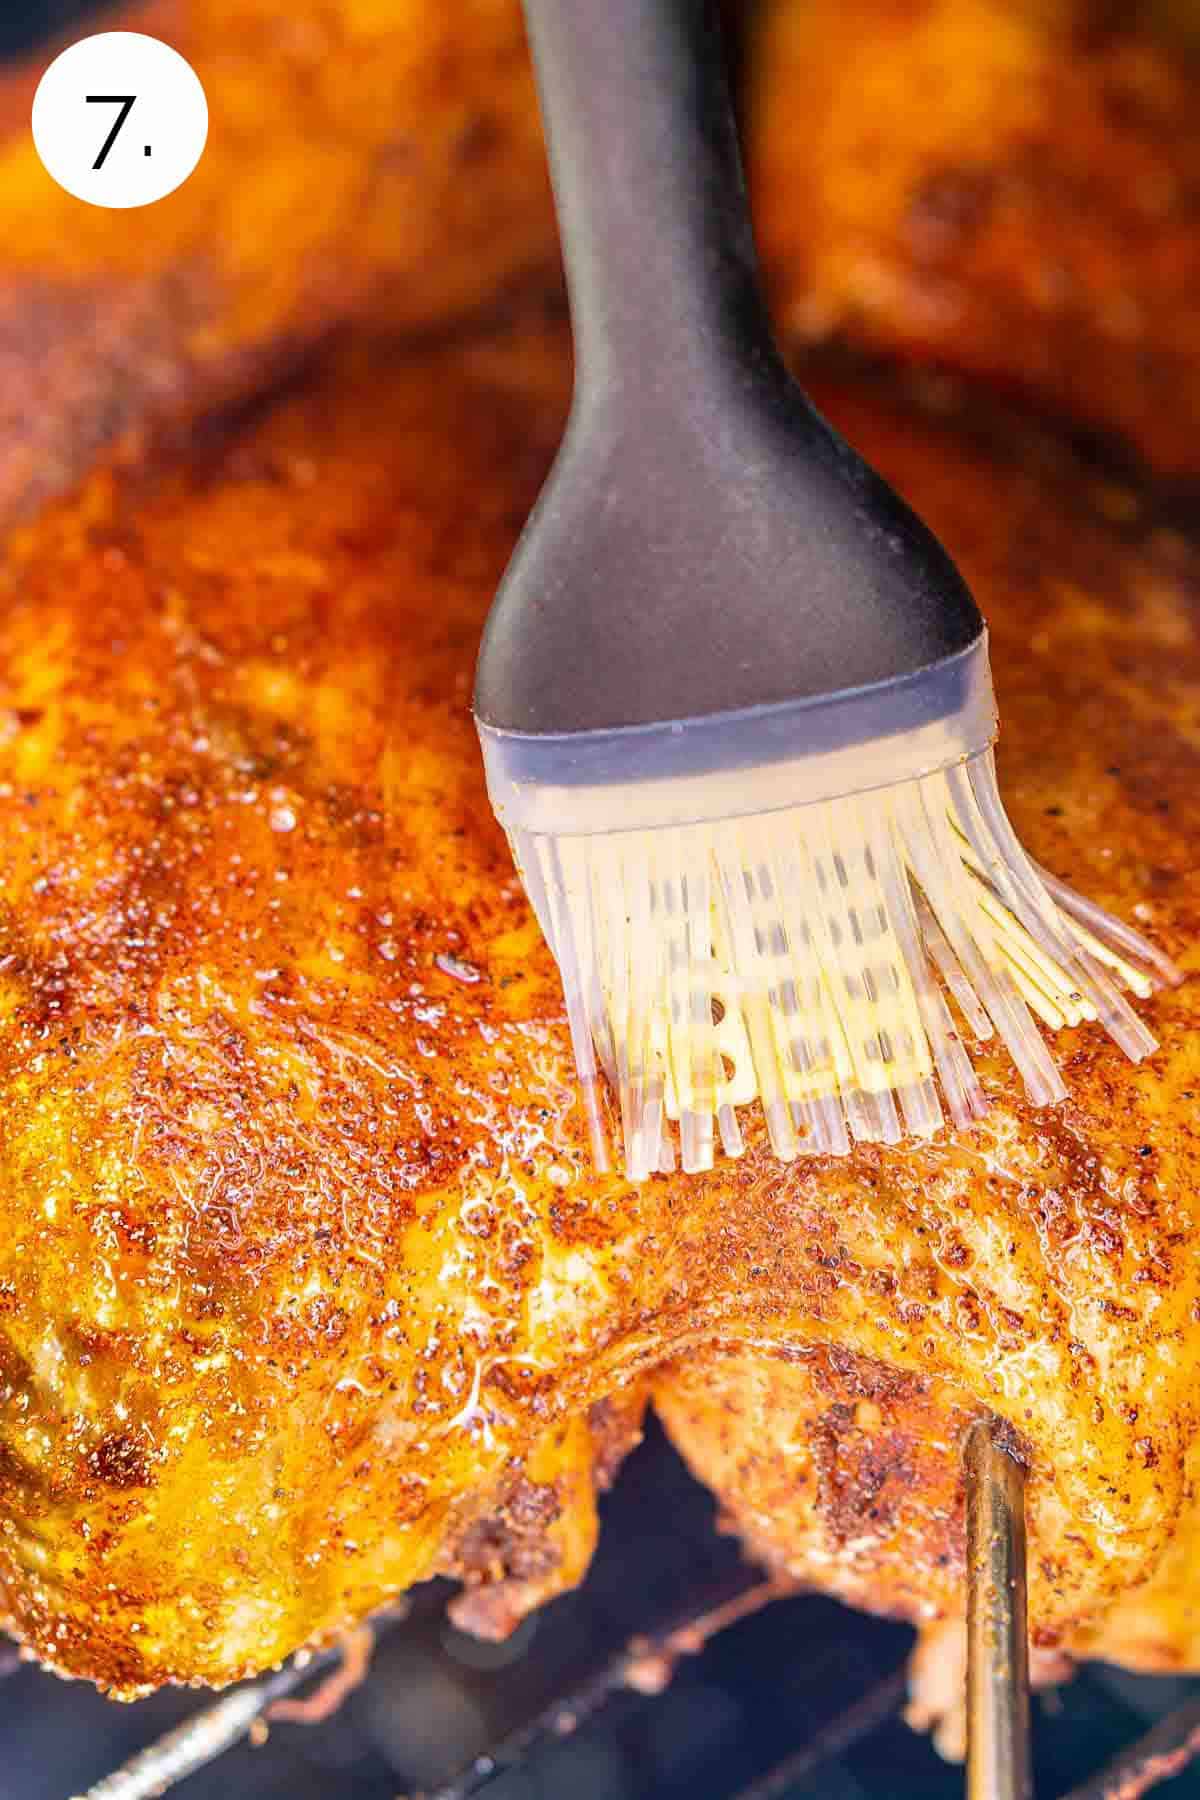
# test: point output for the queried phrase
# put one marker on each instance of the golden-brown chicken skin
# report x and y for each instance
(303, 1266)
(1094, 645)
(306, 1289)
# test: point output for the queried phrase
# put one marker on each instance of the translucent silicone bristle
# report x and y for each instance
(828, 962)
(568, 930)
(731, 1132)
(1138, 962)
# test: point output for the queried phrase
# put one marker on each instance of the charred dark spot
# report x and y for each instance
(946, 209)
(1107, 1239)
(911, 1312)
(853, 1471)
(479, 138)
(970, 1312)
(492, 1550)
(121, 1460)
(534, 1503)
(615, 1425)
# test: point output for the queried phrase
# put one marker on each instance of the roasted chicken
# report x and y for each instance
(307, 1290)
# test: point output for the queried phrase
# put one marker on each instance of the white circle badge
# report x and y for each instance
(120, 119)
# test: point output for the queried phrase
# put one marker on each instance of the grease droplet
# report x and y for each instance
(456, 967)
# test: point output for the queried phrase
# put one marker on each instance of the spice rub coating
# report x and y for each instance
(303, 1271)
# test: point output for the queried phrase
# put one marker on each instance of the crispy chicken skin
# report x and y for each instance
(303, 1270)
(306, 1288)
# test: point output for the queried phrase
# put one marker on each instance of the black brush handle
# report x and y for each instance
(648, 183)
(706, 543)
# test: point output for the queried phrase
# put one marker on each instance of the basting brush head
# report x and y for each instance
(734, 697)
(827, 958)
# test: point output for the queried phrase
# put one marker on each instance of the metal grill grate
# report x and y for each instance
(797, 1700)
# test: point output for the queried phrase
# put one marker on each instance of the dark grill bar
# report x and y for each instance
(644, 1665)
(1162, 1754)
(833, 1740)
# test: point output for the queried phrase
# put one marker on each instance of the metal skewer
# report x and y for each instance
(998, 1764)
